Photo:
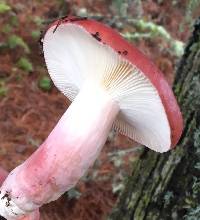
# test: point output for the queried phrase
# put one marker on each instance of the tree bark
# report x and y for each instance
(167, 186)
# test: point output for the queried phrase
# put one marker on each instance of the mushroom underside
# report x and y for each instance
(74, 57)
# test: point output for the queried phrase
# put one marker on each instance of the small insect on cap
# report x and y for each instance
(78, 50)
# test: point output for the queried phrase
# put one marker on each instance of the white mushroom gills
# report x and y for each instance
(106, 91)
(73, 56)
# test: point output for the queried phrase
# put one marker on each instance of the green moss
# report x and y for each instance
(14, 21)
(25, 64)
(3, 89)
(38, 21)
(16, 41)
(45, 83)
(4, 7)
(7, 28)
(35, 34)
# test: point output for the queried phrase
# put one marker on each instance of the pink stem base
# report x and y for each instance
(34, 215)
(73, 146)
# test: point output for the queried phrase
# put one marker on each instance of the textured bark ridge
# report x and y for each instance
(167, 186)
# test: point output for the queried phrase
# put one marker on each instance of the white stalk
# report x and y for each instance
(57, 165)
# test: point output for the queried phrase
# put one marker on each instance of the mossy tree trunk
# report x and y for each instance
(167, 186)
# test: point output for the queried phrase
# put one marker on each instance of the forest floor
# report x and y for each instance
(30, 106)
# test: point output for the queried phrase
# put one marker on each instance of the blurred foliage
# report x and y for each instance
(14, 21)
(121, 7)
(150, 30)
(25, 64)
(35, 34)
(3, 89)
(4, 7)
(73, 193)
(145, 29)
(118, 160)
(38, 21)
(45, 83)
(7, 28)
(3, 45)
(123, 16)
(15, 41)
(191, 7)
(124, 8)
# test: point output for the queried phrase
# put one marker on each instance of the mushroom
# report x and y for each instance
(110, 84)
(32, 216)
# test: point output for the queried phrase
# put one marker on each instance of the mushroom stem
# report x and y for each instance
(64, 157)
(32, 216)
